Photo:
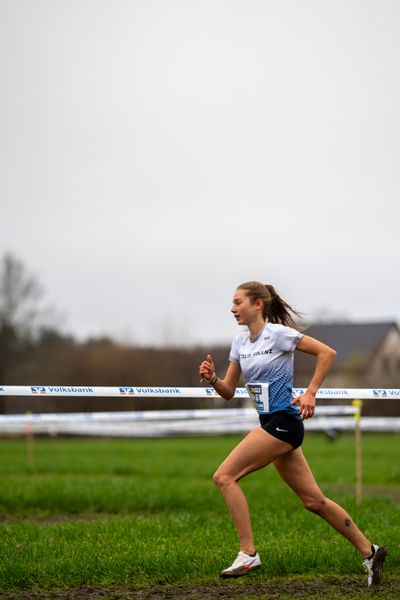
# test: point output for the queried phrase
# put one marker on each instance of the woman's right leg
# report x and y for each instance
(295, 471)
(255, 451)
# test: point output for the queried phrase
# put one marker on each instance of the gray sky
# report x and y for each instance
(154, 154)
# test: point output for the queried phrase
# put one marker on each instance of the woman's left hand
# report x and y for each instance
(307, 404)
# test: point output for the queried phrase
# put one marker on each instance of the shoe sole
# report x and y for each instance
(238, 572)
(377, 565)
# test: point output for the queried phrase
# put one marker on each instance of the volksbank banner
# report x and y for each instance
(181, 392)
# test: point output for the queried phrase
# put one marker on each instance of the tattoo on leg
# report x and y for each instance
(347, 522)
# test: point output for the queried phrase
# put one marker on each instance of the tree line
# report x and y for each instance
(33, 351)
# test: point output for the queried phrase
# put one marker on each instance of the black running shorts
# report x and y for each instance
(284, 426)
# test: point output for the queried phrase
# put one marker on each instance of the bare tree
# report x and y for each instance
(22, 314)
(20, 295)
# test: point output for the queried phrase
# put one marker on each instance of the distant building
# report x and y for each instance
(368, 355)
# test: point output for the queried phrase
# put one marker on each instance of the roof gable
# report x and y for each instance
(349, 339)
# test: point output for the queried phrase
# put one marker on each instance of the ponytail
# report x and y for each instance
(276, 310)
(279, 310)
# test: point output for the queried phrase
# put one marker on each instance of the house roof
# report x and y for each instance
(350, 338)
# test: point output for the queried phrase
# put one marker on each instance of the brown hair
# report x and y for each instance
(275, 310)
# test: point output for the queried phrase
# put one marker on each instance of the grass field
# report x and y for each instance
(141, 518)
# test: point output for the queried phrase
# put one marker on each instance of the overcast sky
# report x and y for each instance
(154, 154)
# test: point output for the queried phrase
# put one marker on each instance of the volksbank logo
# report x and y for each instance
(333, 392)
(70, 390)
(386, 393)
(126, 391)
(41, 389)
(211, 392)
(323, 392)
(158, 391)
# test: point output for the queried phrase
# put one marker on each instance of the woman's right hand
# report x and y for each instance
(207, 368)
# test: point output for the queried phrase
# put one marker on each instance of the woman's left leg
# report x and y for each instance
(294, 470)
(255, 451)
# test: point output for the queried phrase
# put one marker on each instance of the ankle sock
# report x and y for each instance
(373, 552)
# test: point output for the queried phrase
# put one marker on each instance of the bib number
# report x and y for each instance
(259, 393)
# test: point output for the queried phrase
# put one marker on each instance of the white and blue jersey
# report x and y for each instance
(269, 360)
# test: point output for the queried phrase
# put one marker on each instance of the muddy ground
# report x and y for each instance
(326, 588)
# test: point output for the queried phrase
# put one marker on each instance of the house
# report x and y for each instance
(368, 355)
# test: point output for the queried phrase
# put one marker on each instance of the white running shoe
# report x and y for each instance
(374, 565)
(242, 564)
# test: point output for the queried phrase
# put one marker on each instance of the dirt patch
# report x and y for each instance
(326, 588)
(373, 491)
(62, 518)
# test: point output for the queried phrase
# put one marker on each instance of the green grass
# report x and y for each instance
(145, 512)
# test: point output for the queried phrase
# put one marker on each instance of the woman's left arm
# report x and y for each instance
(325, 357)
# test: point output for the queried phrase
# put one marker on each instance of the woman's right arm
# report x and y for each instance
(225, 387)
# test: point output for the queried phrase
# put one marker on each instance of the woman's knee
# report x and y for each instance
(315, 504)
(222, 479)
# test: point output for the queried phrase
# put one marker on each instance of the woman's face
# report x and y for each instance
(244, 310)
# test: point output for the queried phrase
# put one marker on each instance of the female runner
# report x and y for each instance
(264, 352)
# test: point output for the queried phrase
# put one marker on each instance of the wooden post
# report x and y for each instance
(358, 451)
(29, 443)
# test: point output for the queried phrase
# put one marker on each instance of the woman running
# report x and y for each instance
(264, 352)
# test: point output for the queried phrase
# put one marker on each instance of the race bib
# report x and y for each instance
(259, 393)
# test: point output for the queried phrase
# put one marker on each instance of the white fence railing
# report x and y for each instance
(179, 422)
(178, 392)
(158, 422)
(103, 424)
